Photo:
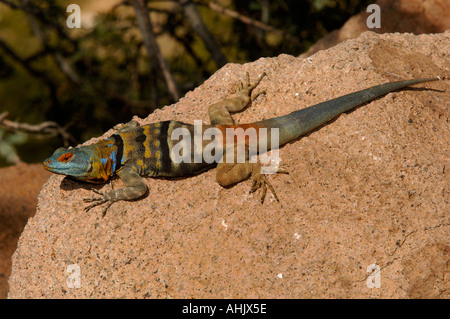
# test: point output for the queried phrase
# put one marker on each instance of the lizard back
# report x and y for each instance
(148, 149)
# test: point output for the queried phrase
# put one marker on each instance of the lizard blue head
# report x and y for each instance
(78, 163)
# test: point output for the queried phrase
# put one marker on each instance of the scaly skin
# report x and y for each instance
(136, 151)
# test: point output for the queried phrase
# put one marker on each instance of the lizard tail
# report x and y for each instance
(301, 122)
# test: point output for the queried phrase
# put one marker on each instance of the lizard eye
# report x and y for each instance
(65, 157)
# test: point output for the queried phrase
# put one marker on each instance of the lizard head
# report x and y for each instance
(78, 163)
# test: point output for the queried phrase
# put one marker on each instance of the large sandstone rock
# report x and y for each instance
(369, 188)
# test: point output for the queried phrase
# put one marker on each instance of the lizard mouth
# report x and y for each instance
(46, 164)
(49, 165)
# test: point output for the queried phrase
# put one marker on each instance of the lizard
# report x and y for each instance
(138, 151)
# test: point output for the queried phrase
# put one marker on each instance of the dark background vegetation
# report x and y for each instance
(61, 86)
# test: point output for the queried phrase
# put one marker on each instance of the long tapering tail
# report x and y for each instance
(300, 122)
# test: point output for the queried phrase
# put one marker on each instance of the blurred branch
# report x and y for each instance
(244, 19)
(48, 128)
(62, 63)
(235, 15)
(25, 63)
(144, 23)
(192, 14)
(9, 3)
(45, 19)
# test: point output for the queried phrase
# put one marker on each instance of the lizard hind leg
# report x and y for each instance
(231, 173)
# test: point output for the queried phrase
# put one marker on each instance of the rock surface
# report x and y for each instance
(413, 16)
(369, 188)
(20, 186)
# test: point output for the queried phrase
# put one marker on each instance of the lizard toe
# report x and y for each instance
(98, 200)
(260, 181)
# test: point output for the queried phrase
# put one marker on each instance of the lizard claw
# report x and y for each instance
(260, 181)
(246, 87)
(282, 171)
(97, 201)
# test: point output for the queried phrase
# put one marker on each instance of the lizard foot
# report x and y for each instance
(99, 200)
(246, 87)
(260, 181)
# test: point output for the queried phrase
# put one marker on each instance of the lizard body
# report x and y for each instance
(148, 150)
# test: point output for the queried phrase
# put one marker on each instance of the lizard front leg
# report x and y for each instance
(135, 188)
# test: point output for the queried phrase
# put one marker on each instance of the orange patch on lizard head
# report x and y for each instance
(65, 157)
